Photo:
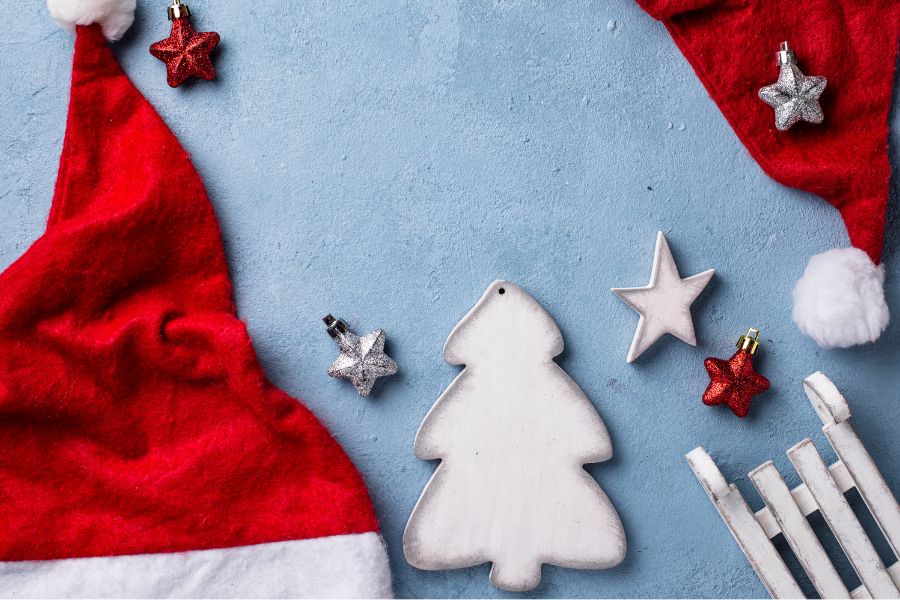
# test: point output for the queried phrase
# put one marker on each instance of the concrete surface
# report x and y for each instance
(386, 160)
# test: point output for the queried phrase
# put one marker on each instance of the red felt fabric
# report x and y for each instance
(134, 416)
(731, 44)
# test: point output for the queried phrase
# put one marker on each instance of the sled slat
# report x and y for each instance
(797, 531)
(741, 521)
(842, 521)
(869, 481)
(894, 571)
(834, 411)
(804, 499)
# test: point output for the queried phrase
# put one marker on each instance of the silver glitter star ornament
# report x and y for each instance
(362, 359)
(795, 97)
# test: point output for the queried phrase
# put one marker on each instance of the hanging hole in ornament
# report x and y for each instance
(501, 291)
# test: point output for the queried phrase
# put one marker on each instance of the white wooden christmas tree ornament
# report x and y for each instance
(513, 432)
(664, 304)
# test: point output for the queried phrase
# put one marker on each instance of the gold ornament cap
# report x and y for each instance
(178, 10)
(749, 341)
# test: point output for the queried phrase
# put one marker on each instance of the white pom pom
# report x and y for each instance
(839, 301)
(114, 16)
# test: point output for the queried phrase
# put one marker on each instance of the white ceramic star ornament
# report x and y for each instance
(362, 359)
(794, 97)
(665, 303)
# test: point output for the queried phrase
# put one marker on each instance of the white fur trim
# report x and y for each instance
(342, 566)
(839, 301)
(115, 16)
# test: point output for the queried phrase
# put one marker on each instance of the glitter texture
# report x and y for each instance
(733, 382)
(186, 52)
(795, 97)
(362, 359)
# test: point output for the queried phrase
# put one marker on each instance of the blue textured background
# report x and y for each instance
(386, 160)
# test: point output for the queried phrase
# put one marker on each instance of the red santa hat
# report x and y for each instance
(142, 450)
(839, 301)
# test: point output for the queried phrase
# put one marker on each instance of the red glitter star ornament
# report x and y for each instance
(734, 381)
(186, 51)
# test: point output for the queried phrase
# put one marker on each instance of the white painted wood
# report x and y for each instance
(869, 481)
(664, 304)
(513, 432)
(798, 532)
(804, 499)
(893, 570)
(754, 542)
(826, 399)
(843, 523)
(824, 486)
(835, 414)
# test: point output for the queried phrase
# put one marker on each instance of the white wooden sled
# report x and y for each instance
(823, 489)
